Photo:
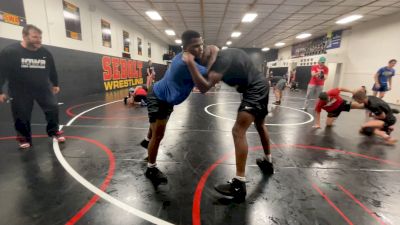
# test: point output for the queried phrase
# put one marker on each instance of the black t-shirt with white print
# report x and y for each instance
(27, 70)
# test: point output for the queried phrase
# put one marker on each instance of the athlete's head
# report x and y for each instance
(32, 37)
(323, 96)
(192, 43)
(364, 88)
(392, 63)
(360, 96)
(322, 61)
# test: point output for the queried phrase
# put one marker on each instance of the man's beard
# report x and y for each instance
(33, 45)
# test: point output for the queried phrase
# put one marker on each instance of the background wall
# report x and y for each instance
(371, 46)
(285, 53)
(48, 16)
(79, 61)
(364, 49)
(83, 68)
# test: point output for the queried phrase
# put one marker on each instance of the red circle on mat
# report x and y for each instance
(72, 114)
(196, 215)
(103, 186)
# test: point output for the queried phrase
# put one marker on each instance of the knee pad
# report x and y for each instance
(369, 131)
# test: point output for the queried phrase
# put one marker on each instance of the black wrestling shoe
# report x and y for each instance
(156, 176)
(234, 188)
(265, 166)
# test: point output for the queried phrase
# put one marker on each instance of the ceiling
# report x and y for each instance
(277, 20)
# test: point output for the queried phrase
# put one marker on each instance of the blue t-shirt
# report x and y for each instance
(384, 74)
(177, 82)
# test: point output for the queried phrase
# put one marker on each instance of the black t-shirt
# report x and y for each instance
(27, 70)
(377, 106)
(238, 70)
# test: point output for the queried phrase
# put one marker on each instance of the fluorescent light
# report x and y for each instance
(154, 15)
(349, 19)
(178, 41)
(303, 35)
(265, 49)
(249, 17)
(236, 34)
(279, 44)
(228, 42)
(170, 32)
(224, 47)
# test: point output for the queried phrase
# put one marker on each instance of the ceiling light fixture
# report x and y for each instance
(228, 42)
(249, 17)
(236, 34)
(170, 32)
(349, 19)
(279, 44)
(224, 47)
(154, 15)
(303, 35)
(178, 41)
(265, 49)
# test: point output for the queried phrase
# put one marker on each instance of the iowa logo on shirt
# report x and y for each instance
(33, 63)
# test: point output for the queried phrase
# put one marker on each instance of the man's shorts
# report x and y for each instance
(255, 102)
(390, 120)
(139, 98)
(382, 88)
(281, 85)
(158, 109)
(345, 106)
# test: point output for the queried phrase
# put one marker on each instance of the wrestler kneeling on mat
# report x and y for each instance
(333, 104)
(235, 68)
(383, 120)
(137, 95)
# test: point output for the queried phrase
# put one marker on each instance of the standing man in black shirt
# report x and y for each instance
(384, 120)
(235, 68)
(31, 74)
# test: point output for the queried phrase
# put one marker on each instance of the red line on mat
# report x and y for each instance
(196, 208)
(103, 186)
(332, 204)
(366, 209)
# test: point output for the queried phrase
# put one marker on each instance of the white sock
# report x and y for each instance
(151, 165)
(243, 179)
(268, 158)
(147, 139)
